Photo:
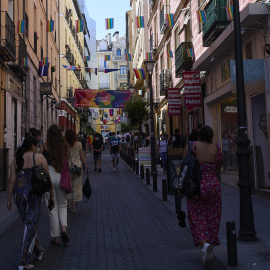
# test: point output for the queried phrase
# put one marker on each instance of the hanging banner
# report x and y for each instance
(174, 101)
(192, 85)
(101, 98)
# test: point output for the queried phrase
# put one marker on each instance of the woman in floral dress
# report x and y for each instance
(204, 213)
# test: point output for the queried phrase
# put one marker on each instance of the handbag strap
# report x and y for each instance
(34, 160)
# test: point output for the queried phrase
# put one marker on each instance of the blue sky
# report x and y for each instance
(101, 9)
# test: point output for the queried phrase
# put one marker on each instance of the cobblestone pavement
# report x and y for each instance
(124, 225)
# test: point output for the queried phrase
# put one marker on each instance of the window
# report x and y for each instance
(176, 38)
(118, 52)
(123, 70)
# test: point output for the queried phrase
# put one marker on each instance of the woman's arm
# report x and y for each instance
(11, 183)
(83, 159)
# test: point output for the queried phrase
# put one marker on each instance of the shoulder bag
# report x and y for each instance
(74, 168)
(41, 181)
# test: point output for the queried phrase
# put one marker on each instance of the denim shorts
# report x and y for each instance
(115, 155)
(97, 156)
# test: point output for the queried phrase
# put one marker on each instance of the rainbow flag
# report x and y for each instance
(50, 26)
(139, 92)
(111, 112)
(139, 73)
(140, 22)
(229, 11)
(170, 54)
(120, 111)
(20, 27)
(128, 57)
(201, 16)
(109, 23)
(86, 58)
(169, 19)
(107, 57)
(149, 57)
(24, 62)
(190, 52)
(45, 61)
(79, 25)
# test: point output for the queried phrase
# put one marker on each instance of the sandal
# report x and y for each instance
(65, 237)
(55, 242)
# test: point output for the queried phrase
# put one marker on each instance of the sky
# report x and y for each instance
(99, 10)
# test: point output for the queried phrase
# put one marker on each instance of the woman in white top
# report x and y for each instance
(162, 150)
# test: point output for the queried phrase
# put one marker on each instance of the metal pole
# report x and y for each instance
(147, 176)
(153, 139)
(247, 229)
(142, 171)
(164, 190)
(231, 243)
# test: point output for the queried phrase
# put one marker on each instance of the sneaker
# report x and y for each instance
(99, 170)
(114, 169)
(95, 169)
(207, 253)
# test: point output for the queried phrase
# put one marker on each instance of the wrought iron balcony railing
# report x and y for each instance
(182, 61)
(165, 81)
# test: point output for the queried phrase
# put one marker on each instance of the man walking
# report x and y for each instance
(97, 147)
(114, 151)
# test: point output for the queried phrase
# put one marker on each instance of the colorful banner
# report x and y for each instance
(128, 57)
(71, 67)
(144, 156)
(86, 58)
(192, 86)
(45, 61)
(50, 26)
(170, 54)
(174, 101)
(190, 52)
(92, 70)
(20, 27)
(107, 57)
(140, 22)
(169, 19)
(79, 25)
(139, 73)
(101, 98)
(43, 70)
(201, 16)
(229, 11)
(111, 112)
(149, 57)
(24, 62)
(109, 23)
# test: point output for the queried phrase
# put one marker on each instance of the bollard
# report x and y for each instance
(164, 190)
(134, 165)
(131, 162)
(124, 157)
(147, 176)
(137, 166)
(231, 243)
(128, 158)
(142, 172)
(154, 181)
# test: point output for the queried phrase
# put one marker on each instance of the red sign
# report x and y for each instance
(174, 101)
(192, 85)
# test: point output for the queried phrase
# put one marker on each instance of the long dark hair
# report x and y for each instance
(56, 146)
(71, 137)
(206, 134)
(26, 146)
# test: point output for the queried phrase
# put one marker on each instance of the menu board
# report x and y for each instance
(144, 155)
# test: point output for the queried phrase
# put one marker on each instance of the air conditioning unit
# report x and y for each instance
(70, 12)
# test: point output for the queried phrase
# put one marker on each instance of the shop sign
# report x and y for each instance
(192, 85)
(174, 101)
(45, 89)
(254, 75)
(15, 88)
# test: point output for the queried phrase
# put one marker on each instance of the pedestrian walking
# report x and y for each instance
(176, 139)
(56, 151)
(76, 157)
(28, 203)
(89, 141)
(97, 147)
(114, 151)
(194, 135)
(204, 214)
(162, 148)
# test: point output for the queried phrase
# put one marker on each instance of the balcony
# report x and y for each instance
(70, 95)
(104, 86)
(21, 52)
(163, 23)
(78, 74)
(122, 77)
(153, 43)
(69, 56)
(151, 3)
(165, 81)
(7, 38)
(182, 61)
(216, 21)
(121, 58)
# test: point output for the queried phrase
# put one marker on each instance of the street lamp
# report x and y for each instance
(246, 228)
(149, 67)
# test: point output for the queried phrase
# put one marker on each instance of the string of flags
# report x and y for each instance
(92, 70)
(108, 70)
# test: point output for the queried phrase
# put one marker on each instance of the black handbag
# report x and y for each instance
(75, 169)
(41, 181)
(87, 189)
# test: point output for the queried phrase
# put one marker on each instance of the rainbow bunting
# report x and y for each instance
(190, 52)
(20, 27)
(149, 57)
(86, 58)
(170, 54)
(139, 73)
(79, 25)
(169, 19)
(107, 57)
(109, 23)
(24, 62)
(45, 61)
(128, 57)
(140, 22)
(201, 16)
(50, 26)
(229, 11)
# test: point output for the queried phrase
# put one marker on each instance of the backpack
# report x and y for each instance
(190, 174)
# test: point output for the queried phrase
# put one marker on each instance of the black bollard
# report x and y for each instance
(147, 176)
(131, 162)
(154, 181)
(164, 190)
(231, 243)
(128, 158)
(124, 157)
(134, 165)
(142, 172)
(137, 166)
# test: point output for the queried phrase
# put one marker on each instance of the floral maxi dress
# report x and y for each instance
(204, 215)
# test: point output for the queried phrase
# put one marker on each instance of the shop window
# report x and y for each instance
(228, 129)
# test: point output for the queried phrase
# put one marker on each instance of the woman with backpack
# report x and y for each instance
(204, 211)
